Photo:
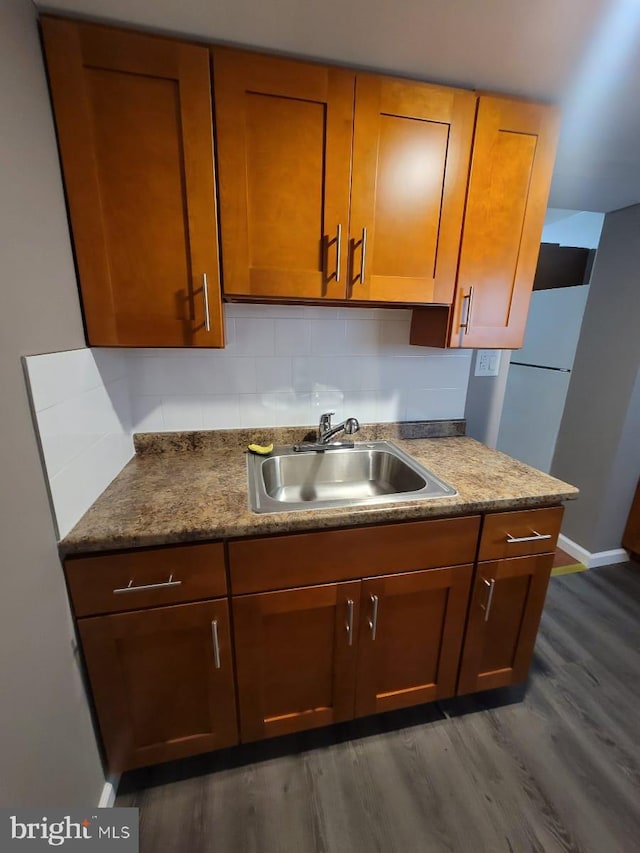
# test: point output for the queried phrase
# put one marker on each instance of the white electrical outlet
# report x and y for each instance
(487, 362)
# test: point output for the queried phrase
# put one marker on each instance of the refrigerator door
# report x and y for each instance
(533, 406)
(553, 327)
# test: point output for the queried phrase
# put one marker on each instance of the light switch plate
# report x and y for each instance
(487, 362)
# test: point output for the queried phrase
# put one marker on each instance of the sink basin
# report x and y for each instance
(370, 473)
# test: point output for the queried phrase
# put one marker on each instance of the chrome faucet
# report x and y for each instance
(326, 431)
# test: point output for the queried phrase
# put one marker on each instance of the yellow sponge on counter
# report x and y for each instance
(259, 449)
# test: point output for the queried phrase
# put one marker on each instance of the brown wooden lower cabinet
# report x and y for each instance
(318, 655)
(162, 682)
(411, 630)
(296, 658)
(392, 616)
(506, 606)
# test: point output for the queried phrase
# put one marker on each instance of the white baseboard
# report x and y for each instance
(607, 558)
(108, 796)
(592, 559)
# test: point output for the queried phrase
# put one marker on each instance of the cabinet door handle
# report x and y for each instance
(373, 622)
(363, 255)
(467, 320)
(350, 621)
(216, 643)
(131, 588)
(537, 537)
(487, 605)
(338, 251)
(205, 296)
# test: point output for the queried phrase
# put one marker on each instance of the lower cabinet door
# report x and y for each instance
(506, 607)
(295, 658)
(162, 682)
(411, 630)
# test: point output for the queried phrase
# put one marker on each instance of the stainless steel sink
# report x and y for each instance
(374, 472)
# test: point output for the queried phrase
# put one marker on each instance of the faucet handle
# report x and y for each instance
(325, 423)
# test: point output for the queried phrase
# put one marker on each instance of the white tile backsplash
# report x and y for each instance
(328, 337)
(279, 408)
(221, 412)
(330, 371)
(283, 366)
(179, 409)
(362, 336)
(146, 413)
(390, 407)
(78, 484)
(292, 336)
(231, 375)
(364, 403)
(82, 406)
(272, 374)
(394, 337)
(439, 402)
(288, 364)
(59, 376)
(253, 336)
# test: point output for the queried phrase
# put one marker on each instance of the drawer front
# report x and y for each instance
(279, 562)
(519, 534)
(131, 580)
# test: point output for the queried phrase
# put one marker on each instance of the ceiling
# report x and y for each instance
(584, 54)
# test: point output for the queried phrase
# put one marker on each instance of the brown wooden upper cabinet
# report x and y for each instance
(513, 155)
(336, 185)
(133, 116)
(333, 186)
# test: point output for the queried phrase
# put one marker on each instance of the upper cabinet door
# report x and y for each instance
(284, 149)
(513, 157)
(412, 145)
(133, 115)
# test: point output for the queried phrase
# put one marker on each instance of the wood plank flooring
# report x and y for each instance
(551, 767)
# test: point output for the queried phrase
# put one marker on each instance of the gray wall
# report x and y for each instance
(48, 755)
(485, 398)
(598, 446)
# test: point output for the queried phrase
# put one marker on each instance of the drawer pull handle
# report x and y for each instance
(216, 643)
(349, 625)
(338, 250)
(131, 588)
(487, 606)
(537, 537)
(373, 622)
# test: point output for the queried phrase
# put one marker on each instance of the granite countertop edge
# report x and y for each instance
(194, 495)
(332, 519)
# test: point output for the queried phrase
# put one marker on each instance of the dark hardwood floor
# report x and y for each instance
(551, 767)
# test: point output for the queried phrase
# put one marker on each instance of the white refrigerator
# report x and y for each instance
(539, 376)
